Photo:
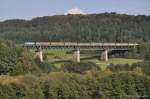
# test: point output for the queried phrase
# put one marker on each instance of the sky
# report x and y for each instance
(28, 9)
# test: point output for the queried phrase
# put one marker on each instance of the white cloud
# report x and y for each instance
(75, 11)
(1, 19)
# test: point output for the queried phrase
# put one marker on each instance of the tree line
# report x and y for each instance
(105, 27)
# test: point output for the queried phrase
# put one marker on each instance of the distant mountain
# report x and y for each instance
(106, 27)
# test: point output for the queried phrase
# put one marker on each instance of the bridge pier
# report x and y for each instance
(76, 56)
(104, 55)
(83, 46)
(39, 54)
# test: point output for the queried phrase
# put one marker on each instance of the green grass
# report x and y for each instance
(58, 57)
(104, 64)
(123, 61)
(58, 54)
(116, 61)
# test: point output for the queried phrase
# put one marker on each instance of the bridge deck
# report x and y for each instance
(73, 45)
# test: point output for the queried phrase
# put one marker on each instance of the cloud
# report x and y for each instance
(1, 19)
(75, 11)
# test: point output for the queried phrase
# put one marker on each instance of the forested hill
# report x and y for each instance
(106, 27)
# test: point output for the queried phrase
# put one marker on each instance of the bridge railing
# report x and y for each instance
(78, 44)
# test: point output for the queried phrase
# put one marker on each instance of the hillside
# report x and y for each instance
(106, 27)
(124, 76)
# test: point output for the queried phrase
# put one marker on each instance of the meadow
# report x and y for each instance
(58, 57)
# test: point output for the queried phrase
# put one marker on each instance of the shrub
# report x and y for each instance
(78, 67)
(14, 60)
(45, 67)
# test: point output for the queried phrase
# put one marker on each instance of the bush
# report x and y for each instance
(14, 60)
(120, 86)
(13, 91)
(78, 67)
(120, 67)
(144, 66)
(45, 67)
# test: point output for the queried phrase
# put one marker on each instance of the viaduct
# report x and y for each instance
(76, 47)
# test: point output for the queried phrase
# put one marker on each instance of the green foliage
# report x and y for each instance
(124, 85)
(144, 50)
(78, 67)
(144, 66)
(45, 67)
(117, 86)
(14, 60)
(13, 91)
(25, 88)
(120, 67)
(64, 85)
(106, 27)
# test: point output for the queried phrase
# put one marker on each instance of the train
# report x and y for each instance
(77, 44)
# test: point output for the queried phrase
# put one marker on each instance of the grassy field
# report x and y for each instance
(116, 61)
(58, 57)
(104, 64)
